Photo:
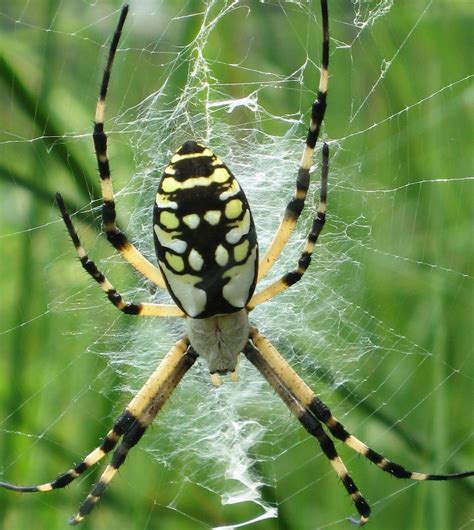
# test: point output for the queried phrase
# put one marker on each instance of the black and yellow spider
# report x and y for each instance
(207, 249)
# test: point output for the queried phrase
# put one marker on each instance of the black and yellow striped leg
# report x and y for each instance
(116, 237)
(130, 426)
(290, 380)
(143, 409)
(322, 412)
(304, 261)
(109, 442)
(130, 439)
(130, 308)
(296, 204)
(312, 425)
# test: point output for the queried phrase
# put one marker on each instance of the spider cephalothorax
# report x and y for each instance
(207, 250)
(220, 340)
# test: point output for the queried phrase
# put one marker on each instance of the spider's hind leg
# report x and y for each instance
(130, 426)
(63, 479)
(287, 384)
(322, 412)
(144, 408)
(313, 413)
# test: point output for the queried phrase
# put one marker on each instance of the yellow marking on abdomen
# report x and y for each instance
(232, 190)
(174, 261)
(236, 290)
(240, 251)
(240, 230)
(233, 209)
(183, 286)
(162, 201)
(177, 157)
(170, 184)
(170, 241)
(169, 220)
(220, 175)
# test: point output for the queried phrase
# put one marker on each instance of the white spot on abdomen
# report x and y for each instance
(192, 220)
(169, 241)
(192, 299)
(242, 229)
(222, 256)
(195, 260)
(212, 216)
(237, 290)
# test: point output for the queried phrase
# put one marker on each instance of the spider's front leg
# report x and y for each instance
(296, 204)
(130, 427)
(114, 234)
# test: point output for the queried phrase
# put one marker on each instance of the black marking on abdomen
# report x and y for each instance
(190, 147)
(201, 166)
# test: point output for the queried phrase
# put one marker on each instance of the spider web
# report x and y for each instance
(380, 326)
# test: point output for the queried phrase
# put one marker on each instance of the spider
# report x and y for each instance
(206, 245)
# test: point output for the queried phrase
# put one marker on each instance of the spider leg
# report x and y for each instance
(130, 308)
(116, 237)
(272, 361)
(274, 375)
(323, 413)
(63, 479)
(130, 426)
(144, 408)
(295, 275)
(296, 204)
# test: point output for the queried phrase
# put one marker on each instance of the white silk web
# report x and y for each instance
(381, 324)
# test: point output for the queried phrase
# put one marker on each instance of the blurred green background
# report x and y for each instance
(412, 239)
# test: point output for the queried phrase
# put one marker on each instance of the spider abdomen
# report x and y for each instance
(204, 234)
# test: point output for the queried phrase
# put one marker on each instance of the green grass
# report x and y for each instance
(410, 282)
